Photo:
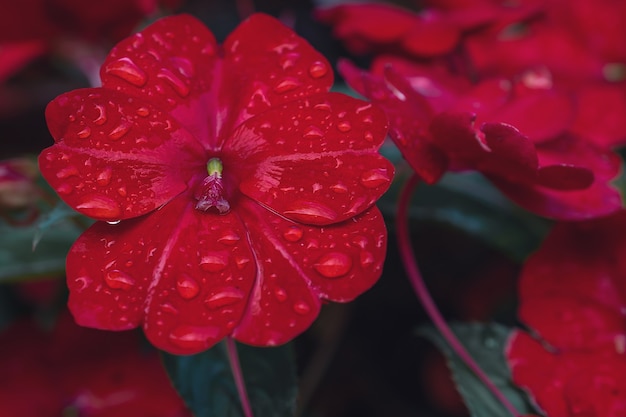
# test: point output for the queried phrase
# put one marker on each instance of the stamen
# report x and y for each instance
(211, 192)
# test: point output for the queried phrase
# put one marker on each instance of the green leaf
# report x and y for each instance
(20, 259)
(485, 343)
(470, 203)
(206, 383)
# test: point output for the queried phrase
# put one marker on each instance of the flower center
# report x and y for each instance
(210, 193)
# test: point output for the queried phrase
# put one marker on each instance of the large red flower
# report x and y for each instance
(244, 188)
(515, 132)
(573, 296)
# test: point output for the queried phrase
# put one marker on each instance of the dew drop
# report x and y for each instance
(301, 308)
(374, 177)
(114, 222)
(101, 118)
(67, 172)
(280, 294)
(187, 287)
(99, 206)
(313, 133)
(122, 191)
(344, 126)
(104, 178)
(226, 297)
(168, 308)
(184, 66)
(143, 112)
(286, 85)
(293, 234)
(118, 280)
(65, 189)
(368, 136)
(119, 131)
(83, 283)
(333, 265)
(85, 133)
(194, 337)
(214, 262)
(318, 69)
(241, 262)
(229, 238)
(366, 258)
(339, 188)
(128, 71)
(310, 211)
(174, 81)
(323, 106)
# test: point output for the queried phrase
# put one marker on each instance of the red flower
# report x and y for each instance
(433, 121)
(573, 296)
(245, 190)
(77, 371)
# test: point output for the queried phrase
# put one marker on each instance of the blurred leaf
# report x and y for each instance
(47, 221)
(470, 203)
(485, 343)
(206, 383)
(18, 259)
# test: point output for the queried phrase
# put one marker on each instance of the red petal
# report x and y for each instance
(565, 177)
(184, 274)
(176, 77)
(116, 157)
(408, 115)
(431, 34)
(266, 71)
(600, 115)
(314, 161)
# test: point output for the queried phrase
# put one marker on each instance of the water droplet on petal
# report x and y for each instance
(194, 337)
(333, 264)
(286, 85)
(118, 280)
(229, 238)
(241, 262)
(66, 172)
(85, 133)
(65, 189)
(366, 258)
(318, 69)
(313, 133)
(168, 308)
(293, 234)
(187, 287)
(215, 261)
(143, 112)
(368, 136)
(339, 188)
(174, 81)
(128, 71)
(344, 126)
(310, 211)
(301, 308)
(120, 131)
(99, 206)
(101, 118)
(226, 297)
(83, 282)
(114, 222)
(374, 177)
(184, 66)
(104, 178)
(280, 294)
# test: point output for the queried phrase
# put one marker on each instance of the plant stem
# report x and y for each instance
(233, 358)
(410, 264)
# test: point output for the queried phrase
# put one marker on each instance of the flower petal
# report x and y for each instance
(116, 157)
(184, 274)
(314, 161)
(266, 71)
(176, 77)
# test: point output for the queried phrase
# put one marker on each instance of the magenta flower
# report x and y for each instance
(244, 188)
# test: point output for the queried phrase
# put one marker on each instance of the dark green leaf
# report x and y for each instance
(206, 383)
(470, 203)
(18, 259)
(485, 342)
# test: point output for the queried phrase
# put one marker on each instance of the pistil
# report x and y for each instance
(210, 193)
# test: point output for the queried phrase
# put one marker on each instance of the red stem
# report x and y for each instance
(408, 259)
(233, 358)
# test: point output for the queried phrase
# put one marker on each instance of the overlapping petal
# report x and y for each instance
(116, 157)
(332, 139)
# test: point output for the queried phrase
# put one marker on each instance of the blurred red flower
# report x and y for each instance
(573, 298)
(76, 371)
(244, 188)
